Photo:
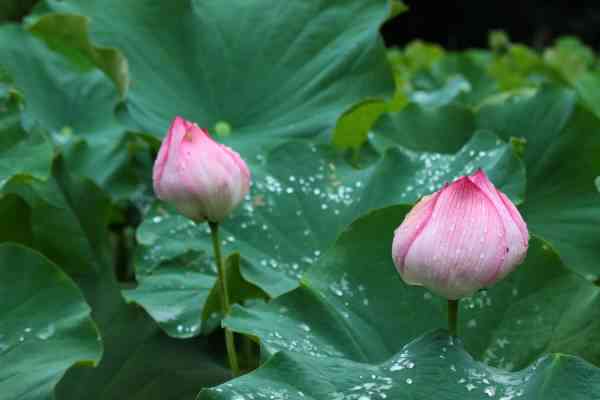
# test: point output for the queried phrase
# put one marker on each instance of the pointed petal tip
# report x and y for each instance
(178, 124)
(460, 183)
(179, 120)
(479, 176)
(480, 173)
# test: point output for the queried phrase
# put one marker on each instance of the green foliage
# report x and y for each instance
(219, 74)
(342, 137)
(292, 216)
(45, 325)
(570, 58)
(354, 126)
(70, 34)
(455, 376)
(343, 324)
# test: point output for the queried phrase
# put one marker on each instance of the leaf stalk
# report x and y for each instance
(224, 296)
(453, 317)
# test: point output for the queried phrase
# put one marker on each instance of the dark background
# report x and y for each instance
(465, 24)
(462, 24)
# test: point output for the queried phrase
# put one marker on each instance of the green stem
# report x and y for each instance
(453, 317)
(224, 296)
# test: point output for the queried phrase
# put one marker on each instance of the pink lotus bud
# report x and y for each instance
(203, 179)
(466, 236)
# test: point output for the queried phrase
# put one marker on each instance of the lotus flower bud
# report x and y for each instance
(466, 236)
(203, 179)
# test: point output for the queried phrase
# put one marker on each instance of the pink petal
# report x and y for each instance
(462, 246)
(212, 174)
(516, 216)
(241, 165)
(414, 222)
(516, 230)
(164, 174)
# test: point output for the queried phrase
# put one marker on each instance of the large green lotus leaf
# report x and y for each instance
(174, 290)
(354, 305)
(431, 367)
(561, 153)
(269, 69)
(348, 332)
(73, 101)
(301, 198)
(69, 218)
(27, 155)
(140, 362)
(45, 325)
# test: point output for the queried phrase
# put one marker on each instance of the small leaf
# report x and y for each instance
(569, 57)
(70, 33)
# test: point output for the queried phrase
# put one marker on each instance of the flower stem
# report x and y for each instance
(224, 295)
(453, 317)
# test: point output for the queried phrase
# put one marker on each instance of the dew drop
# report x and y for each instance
(490, 391)
(46, 333)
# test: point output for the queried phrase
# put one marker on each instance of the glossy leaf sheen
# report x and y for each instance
(561, 154)
(45, 325)
(353, 323)
(74, 103)
(293, 214)
(355, 295)
(139, 361)
(208, 64)
(23, 154)
(417, 371)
